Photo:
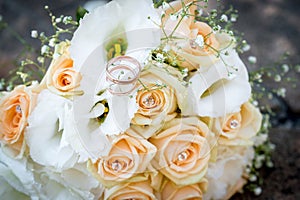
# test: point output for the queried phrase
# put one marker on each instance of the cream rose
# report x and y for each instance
(61, 78)
(183, 150)
(188, 192)
(158, 97)
(153, 103)
(129, 156)
(134, 190)
(238, 128)
(15, 107)
(201, 45)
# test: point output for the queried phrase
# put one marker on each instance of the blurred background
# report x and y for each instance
(271, 27)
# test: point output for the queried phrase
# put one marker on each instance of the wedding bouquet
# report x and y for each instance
(142, 103)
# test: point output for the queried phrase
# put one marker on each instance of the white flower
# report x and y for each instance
(247, 47)
(58, 20)
(17, 182)
(200, 41)
(34, 34)
(285, 68)
(224, 174)
(88, 136)
(112, 20)
(45, 49)
(252, 59)
(88, 52)
(260, 139)
(160, 57)
(165, 5)
(67, 19)
(253, 178)
(7, 191)
(52, 42)
(224, 18)
(281, 92)
(72, 184)
(200, 11)
(215, 92)
(233, 18)
(277, 78)
(45, 135)
(173, 17)
(257, 191)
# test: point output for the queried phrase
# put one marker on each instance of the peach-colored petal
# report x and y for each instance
(183, 150)
(238, 128)
(61, 78)
(129, 156)
(188, 192)
(134, 190)
(15, 108)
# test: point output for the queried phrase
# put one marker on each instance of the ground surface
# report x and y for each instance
(270, 26)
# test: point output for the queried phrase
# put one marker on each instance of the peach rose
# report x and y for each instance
(154, 102)
(238, 128)
(201, 45)
(158, 97)
(61, 78)
(183, 150)
(188, 192)
(129, 156)
(133, 190)
(15, 107)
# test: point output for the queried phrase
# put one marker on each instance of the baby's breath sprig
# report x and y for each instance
(165, 55)
(263, 149)
(156, 86)
(63, 26)
(276, 72)
(221, 19)
(16, 75)
(214, 18)
(29, 68)
(158, 3)
(181, 15)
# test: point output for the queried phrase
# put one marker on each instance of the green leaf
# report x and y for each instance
(80, 12)
(158, 3)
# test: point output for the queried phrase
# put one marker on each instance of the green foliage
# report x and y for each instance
(80, 12)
